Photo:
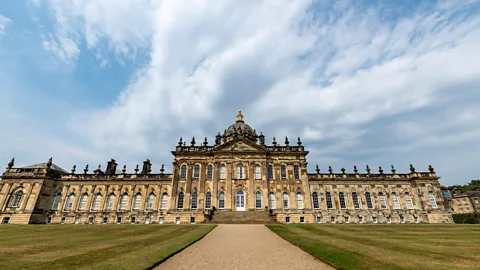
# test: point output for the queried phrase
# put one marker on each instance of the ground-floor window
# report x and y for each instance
(402, 220)
(147, 220)
(302, 219)
(5, 220)
(62, 221)
(346, 220)
(90, 220)
(388, 220)
(287, 220)
(319, 219)
(77, 220)
(415, 219)
(105, 220)
(192, 220)
(119, 220)
(177, 220)
(49, 220)
(360, 219)
(332, 219)
(258, 200)
(132, 220)
(160, 220)
(374, 219)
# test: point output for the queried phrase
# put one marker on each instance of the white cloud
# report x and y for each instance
(4, 21)
(329, 74)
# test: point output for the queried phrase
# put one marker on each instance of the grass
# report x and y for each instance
(418, 246)
(93, 246)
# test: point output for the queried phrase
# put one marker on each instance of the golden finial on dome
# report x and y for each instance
(239, 116)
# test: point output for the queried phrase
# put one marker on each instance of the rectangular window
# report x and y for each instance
(332, 219)
(222, 172)
(302, 219)
(147, 220)
(319, 219)
(374, 219)
(6, 220)
(105, 220)
(258, 200)
(402, 220)
(283, 171)
(160, 220)
(177, 220)
(163, 205)
(209, 172)
(296, 172)
(258, 172)
(77, 220)
(415, 219)
(132, 220)
(388, 220)
(360, 219)
(383, 203)
(62, 221)
(119, 220)
(90, 220)
(346, 220)
(192, 220)
(287, 220)
(270, 172)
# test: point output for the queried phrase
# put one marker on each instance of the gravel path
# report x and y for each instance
(242, 247)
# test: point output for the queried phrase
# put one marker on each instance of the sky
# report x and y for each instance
(361, 82)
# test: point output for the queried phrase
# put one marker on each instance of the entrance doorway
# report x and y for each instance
(240, 201)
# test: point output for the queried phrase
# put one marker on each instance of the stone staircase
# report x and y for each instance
(241, 217)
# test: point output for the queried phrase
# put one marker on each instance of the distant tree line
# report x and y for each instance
(470, 186)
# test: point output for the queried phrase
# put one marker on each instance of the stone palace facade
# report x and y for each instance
(238, 173)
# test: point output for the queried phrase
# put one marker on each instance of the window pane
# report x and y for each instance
(316, 205)
(180, 200)
(196, 172)
(258, 172)
(296, 172)
(432, 200)
(208, 200)
(285, 200)
(183, 172)
(221, 200)
(270, 172)
(209, 172)
(383, 203)
(283, 171)
(240, 171)
(341, 198)
(396, 203)
(356, 203)
(299, 200)
(271, 201)
(258, 199)
(328, 197)
(368, 198)
(164, 201)
(194, 200)
(56, 201)
(222, 172)
(409, 201)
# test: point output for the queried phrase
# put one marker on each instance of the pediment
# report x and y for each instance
(239, 145)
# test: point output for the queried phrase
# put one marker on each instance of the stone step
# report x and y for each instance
(242, 217)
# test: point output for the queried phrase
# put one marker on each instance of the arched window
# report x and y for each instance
(258, 172)
(110, 201)
(123, 201)
(368, 199)
(15, 199)
(208, 200)
(383, 202)
(328, 197)
(56, 201)
(432, 199)
(69, 203)
(296, 172)
(286, 204)
(163, 204)
(408, 200)
(221, 200)
(356, 202)
(83, 202)
(183, 172)
(240, 174)
(270, 172)
(194, 200)
(283, 172)
(96, 201)
(137, 200)
(196, 172)
(210, 172)
(341, 198)
(150, 201)
(316, 205)
(222, 171)
(258, 200)
(180, 200)
(299, 200)
(272, 204)
(396, 203)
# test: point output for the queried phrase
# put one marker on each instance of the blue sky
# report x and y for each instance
(361, 82)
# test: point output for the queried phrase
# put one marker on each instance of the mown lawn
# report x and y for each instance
(418, 246)
(92, 246)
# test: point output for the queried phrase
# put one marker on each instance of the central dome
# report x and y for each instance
(240, 129)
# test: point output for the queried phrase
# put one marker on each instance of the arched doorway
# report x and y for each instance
(240, 200)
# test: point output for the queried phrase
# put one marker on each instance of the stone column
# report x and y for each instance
(27, 197)
(201, 190)
(215, 184)
(188, 186)
(6, 196)
(175, 179)
(130, 198)
(228, 190)
(265, 184)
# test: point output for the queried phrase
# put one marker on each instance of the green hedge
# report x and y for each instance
(470, 218)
